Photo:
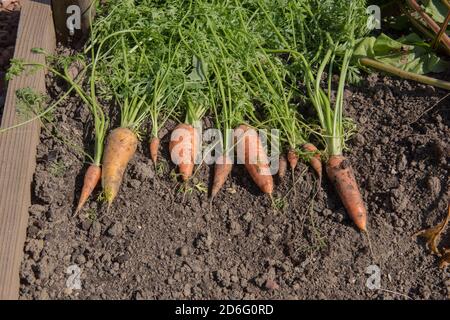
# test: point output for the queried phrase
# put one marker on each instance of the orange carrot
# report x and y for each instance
(222, 169)
(255, 158)
(154, 146)
(91, 179)
(182, 149)
(282, 166)
(314, 160)
(121, 145)
(340, 172)
(292, 158)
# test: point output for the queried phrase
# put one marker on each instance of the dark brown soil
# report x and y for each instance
(157, 243)
(9, 21)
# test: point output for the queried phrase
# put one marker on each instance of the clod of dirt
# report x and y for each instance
(37, 210)
(6, 4)
(34, 248)
(235, 228)
(223, 278)
(95, 230)
(143, 171)
(204, 241)
(122, 258)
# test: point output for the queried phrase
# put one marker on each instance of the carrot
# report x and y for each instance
(314, 160)
(121, 145)
(222, 169)
(292, 158)
(154, 146)
(182, 149)
(254, 157)
(282, 166)
(91, 179)
(341, 174)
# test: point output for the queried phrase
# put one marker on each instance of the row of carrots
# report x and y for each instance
(121, 145)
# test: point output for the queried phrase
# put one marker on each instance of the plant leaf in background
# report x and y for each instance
(409, 53)
(436, 9)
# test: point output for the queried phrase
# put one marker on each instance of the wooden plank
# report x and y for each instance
(18, 146)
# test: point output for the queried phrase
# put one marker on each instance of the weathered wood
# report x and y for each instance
(60, 16)
(18, 146)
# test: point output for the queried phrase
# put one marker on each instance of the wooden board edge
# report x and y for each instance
(18, 146)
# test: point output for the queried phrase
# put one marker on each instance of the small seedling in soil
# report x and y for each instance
(280, 203)
(101, 197)
(201, 187)
(91, 214)
(57, 168)
(174, 176)
(31, 103)
(161, 167)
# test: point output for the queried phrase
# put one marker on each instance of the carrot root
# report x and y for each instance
(182, 149)
(282, 166)
(154, 146)
(340, 172)
(314, 160)
(91, 179)
(222, 170)
(255, 159)
(292, 158)
(120, 147)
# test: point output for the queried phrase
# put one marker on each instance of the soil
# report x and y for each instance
(9, 22)
(159, 243)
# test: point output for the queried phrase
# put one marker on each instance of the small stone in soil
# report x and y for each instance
(359, 139)
(271, 285)
(135, 184)
(80, 259)
(183, 251)
(115, 230)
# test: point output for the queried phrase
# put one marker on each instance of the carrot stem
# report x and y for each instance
(368, 62)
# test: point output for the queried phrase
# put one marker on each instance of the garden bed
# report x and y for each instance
(157, 244)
